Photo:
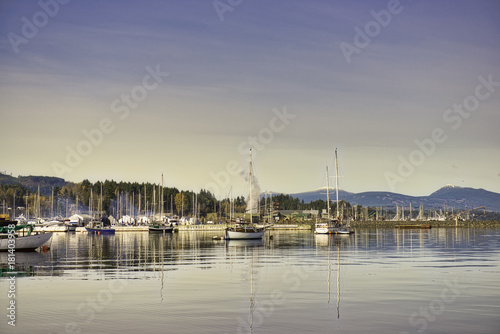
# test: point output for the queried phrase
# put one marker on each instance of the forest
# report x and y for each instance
(123, 198)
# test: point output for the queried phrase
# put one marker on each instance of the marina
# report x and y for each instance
(163, 167)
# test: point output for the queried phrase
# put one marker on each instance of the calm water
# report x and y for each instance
(376, 281)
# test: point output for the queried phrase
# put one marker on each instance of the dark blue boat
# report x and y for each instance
(99, 227)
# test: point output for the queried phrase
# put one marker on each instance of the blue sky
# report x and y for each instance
(229, 79)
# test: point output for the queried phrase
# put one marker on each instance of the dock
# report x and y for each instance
(422, 226)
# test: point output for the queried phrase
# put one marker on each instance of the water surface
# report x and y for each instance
(377, 281)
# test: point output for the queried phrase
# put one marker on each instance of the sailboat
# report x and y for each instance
(160, 226)
(322, 226)
(99, 226)
(242, 229)
(10, 240)
(333, 225)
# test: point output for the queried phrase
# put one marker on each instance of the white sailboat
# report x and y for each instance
(337, 226)
(246, 230)
(333, 225)
(19, 237)
(322, 226)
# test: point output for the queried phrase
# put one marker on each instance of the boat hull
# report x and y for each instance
(100, 230)
(72, 228)
(343, 232)
(166, 229)
(322, 230)
(51, 228)
(332, 230)
(26, 243)
(237, 235)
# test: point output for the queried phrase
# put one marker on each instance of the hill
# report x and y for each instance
(449, 196)
(32, 182)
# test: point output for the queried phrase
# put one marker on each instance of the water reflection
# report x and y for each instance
(295, 282)
(83, 255)
(25, 264)
(333, 244)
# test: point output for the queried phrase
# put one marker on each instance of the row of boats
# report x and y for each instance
(241, 230)
(35, 236)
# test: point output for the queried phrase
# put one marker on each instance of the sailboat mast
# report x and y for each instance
(327, 194)
(100, 203)
(231, 205)
(37, 203)
(91, 204)
(161, 218)
(337, 182)
(251, 194)
(52, 204)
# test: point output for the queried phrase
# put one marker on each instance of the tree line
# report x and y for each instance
(133, 198)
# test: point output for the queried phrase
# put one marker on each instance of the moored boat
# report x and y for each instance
(248, 230)
(321, 228)
(102, 226)
(21, 242)
(71, 224)
(98, 227)
(333, 226)
(160, 228)
(244, 231)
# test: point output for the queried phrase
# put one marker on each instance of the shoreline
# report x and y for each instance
(310, 226)
(431, 223)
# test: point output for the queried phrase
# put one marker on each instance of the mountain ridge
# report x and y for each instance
(448, 195)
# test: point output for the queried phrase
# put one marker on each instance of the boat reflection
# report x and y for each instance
(245, 243)
(25, 264)
(333, 244)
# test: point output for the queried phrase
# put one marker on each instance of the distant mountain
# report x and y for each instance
(32, 182)
(8, 179)
(320, 194)
(449, 196)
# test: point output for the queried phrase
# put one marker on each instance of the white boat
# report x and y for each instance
(55, 226)
(244, 231)
(25, 243)
(321, 228)
(248, 230)
(173, 220)
(72, 224)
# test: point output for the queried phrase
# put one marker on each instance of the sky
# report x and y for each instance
(407, 91)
